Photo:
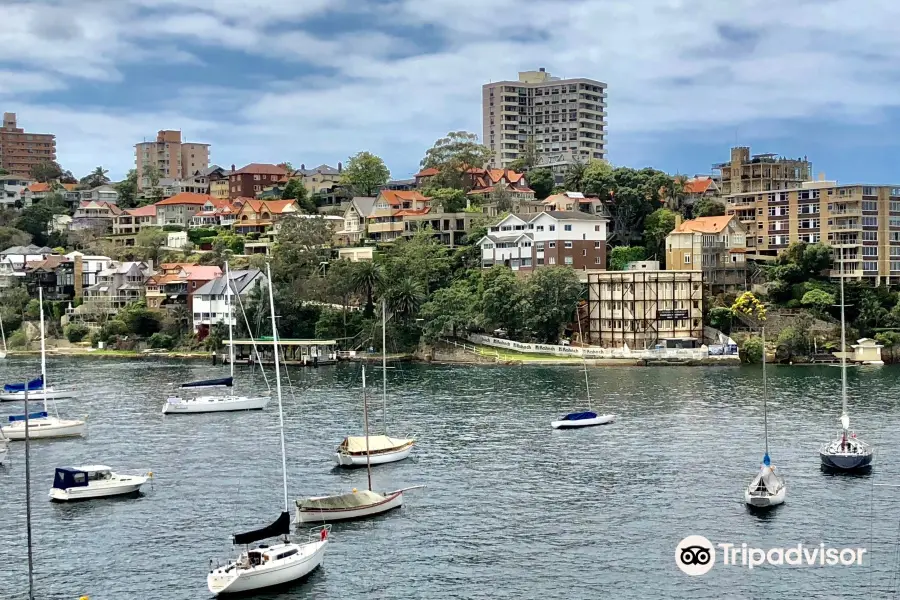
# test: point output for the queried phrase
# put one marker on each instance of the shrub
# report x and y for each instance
(19, 341)
(76, 332)
(172, 228)
(751, 351)
(161, 341)
(112, 329)
(196, 234)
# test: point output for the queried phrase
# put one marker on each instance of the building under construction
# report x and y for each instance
(760, 172)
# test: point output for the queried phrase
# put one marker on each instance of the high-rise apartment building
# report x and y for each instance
(173, 158)
(861, 223)
(760, 172)
(21, 151)
(560, 120)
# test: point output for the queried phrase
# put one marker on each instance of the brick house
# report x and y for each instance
(252, 179)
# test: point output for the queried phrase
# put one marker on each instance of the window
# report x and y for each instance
(870, 266)
(584, 252)
(870, 221)
(895, 251)
(256, 188)
(551, 244)
(567, 227)
(870, 236)
(870, 251)
(895, 206)
(596, 244)
(256, 178)
(552, 227)
(569, 260)
(552, 260)
(597, 260)
(539, 246)
(568, 244)
(596, 228)
(687, 259)
(869, 205)
(868, 191)
(894, 221)
(540, 261)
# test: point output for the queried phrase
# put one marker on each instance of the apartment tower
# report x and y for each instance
(760, 172)
(21, 151)
(560, 121)
(173, 158)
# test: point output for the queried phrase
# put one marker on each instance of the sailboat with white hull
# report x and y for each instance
(282, 562)
(3, 334)
(846, 452)
(41, 425)
(767, 488)
(586, 418)
(177, 405)
(361, 451)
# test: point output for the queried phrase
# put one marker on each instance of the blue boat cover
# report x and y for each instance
(33, 385)
(37, 415)
(67, 477)
(579, 416)
(225, 381)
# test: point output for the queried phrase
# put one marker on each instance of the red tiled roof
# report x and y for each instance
(411, 213)
(115, 210)
(70, 187)
(396, 197)
(37, 188)
(697, 185)
(260, 169)
(144, 211)
(275, 207)
(429, 172)
(704, 224)
(186, 198)
(204, 272)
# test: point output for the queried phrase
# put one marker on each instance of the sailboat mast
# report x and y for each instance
(843, 345)
(765, 391)
(28, 498)
(366, 420)
(587, 384)
(3, 334)
(43, 348)
(230, 311)
(383, 366)
(278, 385)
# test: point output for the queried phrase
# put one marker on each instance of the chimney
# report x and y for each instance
(340, 167)
(77, 271)
(542, 70)
(302, 167)
(232, 167)
(677, 220)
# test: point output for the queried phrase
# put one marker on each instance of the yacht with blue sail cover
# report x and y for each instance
(94, 481)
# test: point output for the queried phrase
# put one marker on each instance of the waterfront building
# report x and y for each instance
(643, 308)
(385, 222)
(715, 245)
(209, 305)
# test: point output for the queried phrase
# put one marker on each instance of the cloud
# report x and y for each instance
(394, 75)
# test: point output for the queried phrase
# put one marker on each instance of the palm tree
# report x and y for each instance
(573, 180)
(181, 315)
(405, 297)
(365, 278)
(99, 176)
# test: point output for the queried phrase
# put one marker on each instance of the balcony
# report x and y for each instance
(385, 227)
(851, 226)
(845, 243)
(849, 212)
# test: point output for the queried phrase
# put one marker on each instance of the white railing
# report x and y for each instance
(592, 352)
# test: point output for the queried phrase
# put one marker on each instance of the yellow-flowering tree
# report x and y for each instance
(750, 309)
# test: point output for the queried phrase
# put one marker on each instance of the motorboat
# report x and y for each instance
(381, 449)
(94, 481)
(42, 425)
(767, 489)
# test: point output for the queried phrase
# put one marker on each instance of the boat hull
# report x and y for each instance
(91, 492)
(208, 404)
(599, 420)
(4, 452)
(359, 460)
(44, 428)
(764, 501)
(231, 580)
(392, 501)
(845, 462)
(36, 395)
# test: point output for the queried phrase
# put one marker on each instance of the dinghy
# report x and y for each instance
(94, 481)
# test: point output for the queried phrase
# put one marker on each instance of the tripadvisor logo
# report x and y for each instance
(696, 555)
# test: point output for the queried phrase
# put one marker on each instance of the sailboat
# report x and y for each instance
(847, 452)
(4, 448)
(217, 403)
(41, 424)
(282, 562)
(3, 335)
(587, 418)
(356, 504)
(360, 451)
(767, 488)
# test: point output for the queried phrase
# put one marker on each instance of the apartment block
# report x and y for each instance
(561, 120)
(250, 180)
(715, 245)
(644, 307)
(21, 151)
(173, 158)
(862, 223)
(760, 172)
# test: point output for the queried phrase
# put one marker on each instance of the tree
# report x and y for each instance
(365, 174)
(573, 179)
(448, 199)
(818, 300)
(749, 308)
(75, 332)
(541, 181)
(404, 297)
(891, 342)
(527, 159)
(34, 220)
(365, 278)
(301, 248)
(630, 196)
(721, 317)
(151, 240)
(127, 190)
(657, 226)
(452, 310)
(801, 262)
(46, 171)
(140, 320)
(96, 178)
(422, 258)
(10, 236)
(620, 256)
(3, 171)
(161, 341)
(503, 300)
(295, 190)
(453, 156)
(501, 198)
(791, 343)
(551, 296)
(751, 351)
(708, 207)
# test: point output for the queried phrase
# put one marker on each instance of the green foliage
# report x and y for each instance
(149, 242)
(421, 258)
(96, 178)
(721, 318)
(173, 228)
(10, 236)
(301, 247)
(801, 262)
(343, 325)
(891, 342)
(541, 181)
(453, 310)
(573, 179)
(365, 174)
(366, 277)
(404, 297)
(819, 300)
(708, 207)
(33, 310)
(453, 155)
(127, 189)
(620, 256)
(215, 341)
(34, 220)
(18, 341)
(46, 171)
(295, 190)
(551, 294)
(751, 351)
(113, 329)
(792, 343)
(75, 332)
(657, 226)
(161, 341)
(503, 300)
(631, 194)
(140, 320)
(449, 199)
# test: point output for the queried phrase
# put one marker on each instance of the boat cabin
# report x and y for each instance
(69, 477)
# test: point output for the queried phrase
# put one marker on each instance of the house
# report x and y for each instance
(38, 191)
(355, 218)
(321, 179)
(701, 186)
(175, 284)
(180, 208)
(487, 181)
(17, 256)
(866, 351)
(357, 253)
(251, 179)
(55, 275)
(385, 223)
(59, 223)
(11, 189)
(218, 183)
(563, 238)
(264, 242)
(215, 213)
(200, 181)
(87, 269)
(120, 284)
(96, 215)
(574, 201)
(132, 220)
(450, 228)
(423, 178)
(715, 245)
(102, 193)
(402, 185)
(258, 216)
(209, 301)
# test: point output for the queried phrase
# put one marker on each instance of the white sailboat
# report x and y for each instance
(355, 504)
(176, 405)
(3, 335)
(587, 418)
(271, 564)
(360, 451)
(42, 425)
(767, 488)
(846, 452)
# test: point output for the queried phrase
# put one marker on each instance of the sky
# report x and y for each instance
(315, 81)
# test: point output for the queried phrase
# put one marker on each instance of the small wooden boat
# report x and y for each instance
(382, 449)
(346, 507)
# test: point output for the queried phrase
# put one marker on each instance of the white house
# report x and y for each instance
(354, 227)
(91, 266)
(210, 306)
(11, 189)
(17, 256)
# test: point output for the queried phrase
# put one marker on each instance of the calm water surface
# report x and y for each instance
(512, 509)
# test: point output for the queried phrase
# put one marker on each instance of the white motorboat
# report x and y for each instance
(285, 561)
(846, 452)
(381, 449)
(94, 481)
(586, 418)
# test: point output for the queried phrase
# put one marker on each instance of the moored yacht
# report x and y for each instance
(93, 481)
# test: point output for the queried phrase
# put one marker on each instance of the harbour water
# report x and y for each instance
(512, 508)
